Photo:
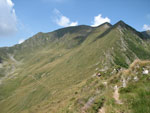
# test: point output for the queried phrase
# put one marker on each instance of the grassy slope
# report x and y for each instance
(42, 62)
(135, 95)
(57, 77)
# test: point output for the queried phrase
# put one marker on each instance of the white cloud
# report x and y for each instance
(98, 20)
(21, 41)
(10, 3)
(74, 23)
(8, 20)
(62, 20)
(146, 27)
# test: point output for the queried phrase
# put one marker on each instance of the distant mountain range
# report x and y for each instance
(146, 34)
(56, 72)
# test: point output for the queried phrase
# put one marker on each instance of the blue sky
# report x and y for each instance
(21, 19)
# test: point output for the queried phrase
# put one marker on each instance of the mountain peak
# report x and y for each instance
(105, 24)
(121, 23)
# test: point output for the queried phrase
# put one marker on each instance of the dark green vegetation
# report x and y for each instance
(55, 72)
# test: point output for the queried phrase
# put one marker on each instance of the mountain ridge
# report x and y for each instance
(40, 40)
(122, 23)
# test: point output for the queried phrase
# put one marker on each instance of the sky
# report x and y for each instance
(21, 19)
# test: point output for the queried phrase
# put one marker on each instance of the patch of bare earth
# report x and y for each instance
(87, 105)
(102, 110)
(116, 95)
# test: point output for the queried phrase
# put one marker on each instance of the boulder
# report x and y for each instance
(145, 72)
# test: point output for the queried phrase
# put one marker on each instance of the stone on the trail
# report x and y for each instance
(97, 69)
(105, 83)
(98, 74)
(124, 83)
(145, 72)
(136, 78)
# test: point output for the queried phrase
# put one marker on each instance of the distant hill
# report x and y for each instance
(146, 34)
(56, 72)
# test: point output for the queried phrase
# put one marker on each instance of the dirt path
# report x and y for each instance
(116, 95)
(87, 105)
(102, 110)
(13, 59)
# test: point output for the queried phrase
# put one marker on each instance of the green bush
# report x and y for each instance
(128, 89)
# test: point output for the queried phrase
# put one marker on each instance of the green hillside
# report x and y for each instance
(55, 72)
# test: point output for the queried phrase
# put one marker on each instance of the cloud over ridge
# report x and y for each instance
(62, 20)
(98, 20)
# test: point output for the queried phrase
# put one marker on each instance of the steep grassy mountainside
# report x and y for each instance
(56, 72)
